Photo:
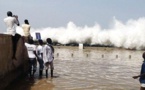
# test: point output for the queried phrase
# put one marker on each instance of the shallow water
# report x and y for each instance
(93, 68)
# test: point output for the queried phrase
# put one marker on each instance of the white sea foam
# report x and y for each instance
(129, 35)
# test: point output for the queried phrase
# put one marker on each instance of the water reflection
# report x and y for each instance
(94, 68)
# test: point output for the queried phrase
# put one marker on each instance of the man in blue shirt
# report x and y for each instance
(142, 74)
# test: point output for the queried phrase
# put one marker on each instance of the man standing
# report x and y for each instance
(142, 74)
(39, 52)
(11, 21)
(31, 48)
(26, 29)
(48, 56)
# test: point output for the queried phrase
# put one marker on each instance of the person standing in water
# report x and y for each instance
(31, 49)
(142, 74)
(48, 56)
(26, 29)
(11, 21)
(39, 52)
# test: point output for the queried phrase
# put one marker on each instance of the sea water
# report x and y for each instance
(91, 68)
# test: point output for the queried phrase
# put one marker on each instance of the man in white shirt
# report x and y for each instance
(39, 52)
(48, 56)
(31, 48)
(11, 21)
(26, 29)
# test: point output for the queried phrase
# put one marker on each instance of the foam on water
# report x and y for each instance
(129, 35)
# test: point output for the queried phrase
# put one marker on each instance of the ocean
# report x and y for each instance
(91, 68)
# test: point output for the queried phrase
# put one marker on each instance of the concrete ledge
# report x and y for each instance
(10, 68)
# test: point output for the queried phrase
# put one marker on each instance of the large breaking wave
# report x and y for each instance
(129, 35)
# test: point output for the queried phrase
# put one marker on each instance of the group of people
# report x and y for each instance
(43, 53)
(11, 21)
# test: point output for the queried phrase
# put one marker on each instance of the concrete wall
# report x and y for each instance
(10, 69)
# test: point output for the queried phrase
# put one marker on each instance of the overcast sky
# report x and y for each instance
(57, 13)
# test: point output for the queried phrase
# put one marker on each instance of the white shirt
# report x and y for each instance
(39, 51)
(26, 29)
(31, 48)
(10, 23)
(47, 54)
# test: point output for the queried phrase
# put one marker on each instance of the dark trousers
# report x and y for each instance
(41, 66)
(33, 64)
(15, 40)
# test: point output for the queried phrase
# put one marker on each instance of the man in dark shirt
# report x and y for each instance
(142, 74)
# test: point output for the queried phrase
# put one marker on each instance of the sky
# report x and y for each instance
(58, 13)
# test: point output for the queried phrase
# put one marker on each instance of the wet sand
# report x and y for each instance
(93, 68)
